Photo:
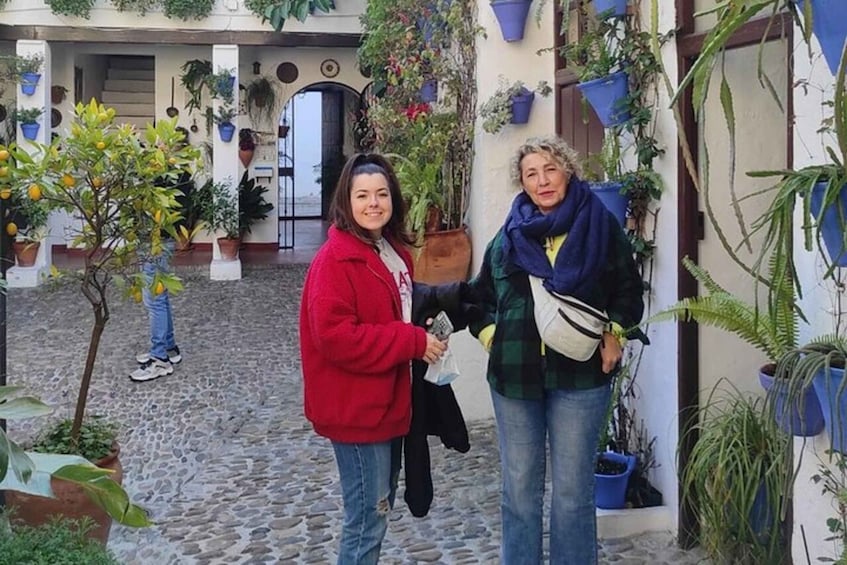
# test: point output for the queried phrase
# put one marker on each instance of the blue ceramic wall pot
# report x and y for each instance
(610, 8)
(829, 24)
(429, 91)
(30, 131)
(833, 223)
(606, 95)
(610, 195)
(804, 418)
(829, 387)
(522, 106)
(226, 130)
(28, 82)
(511, 15)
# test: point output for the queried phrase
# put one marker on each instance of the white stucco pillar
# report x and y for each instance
(32, 276)
(225, 157)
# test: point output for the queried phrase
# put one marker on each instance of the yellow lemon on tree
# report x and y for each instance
(4, 154)
(100, 145)
(159, 289)
(97, 182)
(4, 171)
(68, 180)
(12, 228)
(34, 192)
(136, 295)
(5, 193)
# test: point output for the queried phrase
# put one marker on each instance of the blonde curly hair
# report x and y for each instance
(551, 146)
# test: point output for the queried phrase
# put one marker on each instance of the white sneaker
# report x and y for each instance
(174, 356)
(152, 369)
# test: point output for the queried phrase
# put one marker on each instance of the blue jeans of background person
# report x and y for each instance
(159, 306)
(369, 473)
(572, 420)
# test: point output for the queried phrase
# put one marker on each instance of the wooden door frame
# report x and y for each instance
(690, 226)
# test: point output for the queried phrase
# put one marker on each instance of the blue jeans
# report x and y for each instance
(572, 420)
(159, 306)
(369, 473)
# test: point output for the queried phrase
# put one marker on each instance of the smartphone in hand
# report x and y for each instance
(441, 326)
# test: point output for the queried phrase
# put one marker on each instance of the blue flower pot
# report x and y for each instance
(511, 15)
(30, 131)
(610, 490)
(829, 24)
(833, 223)
(28, 82)
(610, 195)
(805, 418)
(522, 106)
(617, 7)
(433, 19)
(833, 405)
(226, 131)
(429, 91)
(606, 95)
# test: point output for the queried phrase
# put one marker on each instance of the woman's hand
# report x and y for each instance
(610, 352)
(435, 348)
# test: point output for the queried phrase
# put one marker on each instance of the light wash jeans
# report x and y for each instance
(572, 420)
(159, 307)
(369, 473)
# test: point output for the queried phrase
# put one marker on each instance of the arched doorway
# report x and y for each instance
(315, 139)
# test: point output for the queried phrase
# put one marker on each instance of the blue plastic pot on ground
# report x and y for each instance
(610, 490)
(829, 24)
(833, 405)
(833, 223)
(607, 96)
(610, 195)
(226, 130)
(30, 131)
(617, 7)
(522, 106)
(805, 418)
(28, 82)
(511, 15)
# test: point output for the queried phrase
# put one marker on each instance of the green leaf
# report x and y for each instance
(24, 407)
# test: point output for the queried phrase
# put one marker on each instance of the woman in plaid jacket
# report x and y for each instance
(559, 231)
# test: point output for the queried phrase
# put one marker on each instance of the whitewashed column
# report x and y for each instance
(33, 276)
(225, 157)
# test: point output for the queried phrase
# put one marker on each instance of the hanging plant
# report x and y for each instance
(195, 76)
(277, 11)
(261, 99)
(140, 6)
(188, 9)
(78, 8)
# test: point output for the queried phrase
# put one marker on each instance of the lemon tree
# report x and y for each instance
(112, 179)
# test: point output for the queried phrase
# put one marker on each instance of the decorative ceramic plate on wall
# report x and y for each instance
(330, 68)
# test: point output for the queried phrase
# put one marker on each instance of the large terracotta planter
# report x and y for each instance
(26, 252)
(246, 156)
(229, 248)
(444, 257)
(70, 502)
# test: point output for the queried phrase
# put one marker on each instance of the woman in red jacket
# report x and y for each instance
(357, 343)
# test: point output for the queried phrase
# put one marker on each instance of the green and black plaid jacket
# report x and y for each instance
(515, 367)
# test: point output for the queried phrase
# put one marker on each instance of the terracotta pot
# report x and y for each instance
(229, 248)
(57, 94)
(246, 156)
(70, 502)
(444, 257)
(26, 252)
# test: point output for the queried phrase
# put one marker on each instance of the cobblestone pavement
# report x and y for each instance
(220, 452)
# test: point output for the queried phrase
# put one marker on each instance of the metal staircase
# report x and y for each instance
(129, 88)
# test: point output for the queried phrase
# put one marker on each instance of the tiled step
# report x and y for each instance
(119, 96)
(131, 74)
(129, 85)
(134, 109)
(138, 63)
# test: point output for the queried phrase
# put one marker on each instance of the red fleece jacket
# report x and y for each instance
(355, 347)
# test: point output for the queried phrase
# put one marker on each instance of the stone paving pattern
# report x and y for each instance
(220, 452)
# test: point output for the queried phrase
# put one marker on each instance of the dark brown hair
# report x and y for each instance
(341, 213)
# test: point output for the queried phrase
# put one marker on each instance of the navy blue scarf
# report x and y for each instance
(583, 217)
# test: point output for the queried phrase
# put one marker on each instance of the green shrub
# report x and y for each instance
(61, 542)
